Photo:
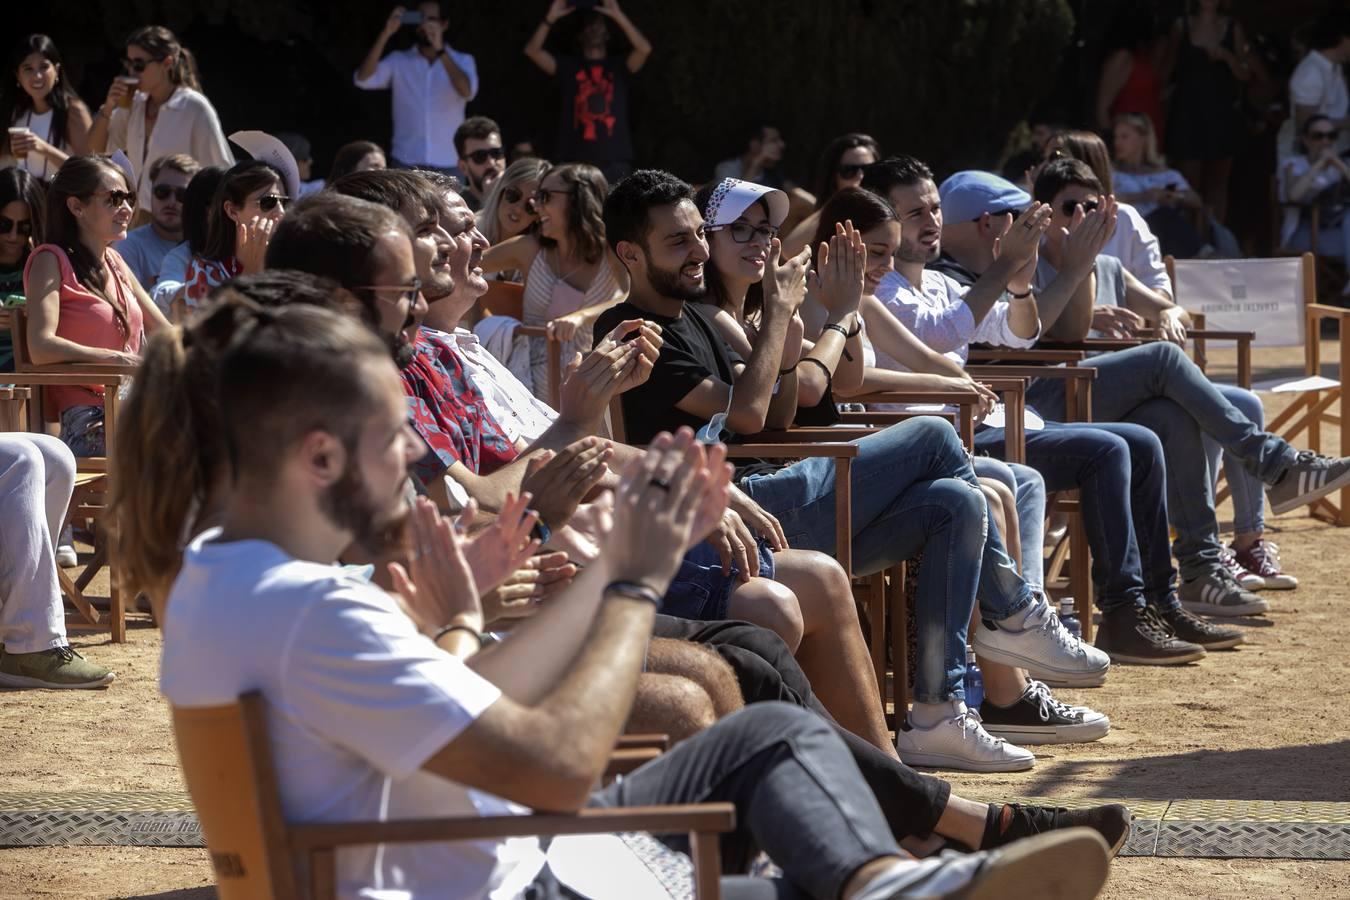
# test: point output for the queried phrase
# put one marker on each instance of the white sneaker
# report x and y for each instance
(960, 742)
(66, 558)
(1043, 647)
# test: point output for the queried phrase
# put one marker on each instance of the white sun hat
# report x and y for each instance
(732, 197)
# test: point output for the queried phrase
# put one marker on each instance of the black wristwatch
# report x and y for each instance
(541, 532)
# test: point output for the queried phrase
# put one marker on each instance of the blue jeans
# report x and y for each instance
(913, 491)
(1028, 487)
(1156, 385)
(1249, 494)
(1118, 472)
(798, 794)
(700, 591)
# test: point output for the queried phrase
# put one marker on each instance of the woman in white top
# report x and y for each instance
(1161, 195)
(570, 274)
(167, 113)
(46, 119)
(1317, 177)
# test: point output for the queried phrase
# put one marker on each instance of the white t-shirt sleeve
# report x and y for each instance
(1307, 87)
(357, 672)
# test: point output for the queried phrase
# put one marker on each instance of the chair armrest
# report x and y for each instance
(1207, 334)
(714, 818)
(799, 451)
(623, 760)
(1095, 345)
(1039, 354)
(659, 741)
(40, 379)
(809, 434)
(531, 331)
(953, 397)
(1079, 373)
(1322, 311)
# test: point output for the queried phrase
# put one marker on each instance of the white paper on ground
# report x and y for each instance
(602, 867)
(1302, 385)
(1030, 421)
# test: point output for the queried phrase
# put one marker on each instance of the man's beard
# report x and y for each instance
(919, 254)
(350, 507)
(401, 348)
(668, 283)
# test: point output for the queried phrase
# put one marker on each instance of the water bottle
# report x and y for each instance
(974, 681)
(1069, 619)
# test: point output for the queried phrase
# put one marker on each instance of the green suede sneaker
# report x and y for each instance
(60, 668)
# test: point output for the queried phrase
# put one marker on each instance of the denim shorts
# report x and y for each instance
(700, 590)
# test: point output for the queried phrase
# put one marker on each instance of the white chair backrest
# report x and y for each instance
(1264, 296)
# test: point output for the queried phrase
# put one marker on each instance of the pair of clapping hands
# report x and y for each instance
(666, 501)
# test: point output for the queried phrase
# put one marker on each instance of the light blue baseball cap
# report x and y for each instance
(970, 194)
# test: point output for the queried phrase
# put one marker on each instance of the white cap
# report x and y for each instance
(732, 197)
(262, 146)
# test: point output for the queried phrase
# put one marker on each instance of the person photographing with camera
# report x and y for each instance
(430, 81)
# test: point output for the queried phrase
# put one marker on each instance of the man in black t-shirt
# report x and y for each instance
(593, 122)
(913, 489)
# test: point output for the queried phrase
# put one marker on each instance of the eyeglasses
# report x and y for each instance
(742, 232)
(406, 292)
(164, 192)
(481, 156)
(114, 199)
(24, 226)
(1322, 135)
(269, 202)
(1068, 206)
(138, 65)
(513, 195)
(852, 170)
(544, 195)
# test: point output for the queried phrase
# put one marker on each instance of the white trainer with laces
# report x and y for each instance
(960, 742)
(1044, 647)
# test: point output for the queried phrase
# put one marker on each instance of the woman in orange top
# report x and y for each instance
(84, 305)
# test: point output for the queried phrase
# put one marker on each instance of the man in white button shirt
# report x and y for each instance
(431, 84)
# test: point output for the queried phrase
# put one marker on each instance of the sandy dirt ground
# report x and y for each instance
(1257, 723)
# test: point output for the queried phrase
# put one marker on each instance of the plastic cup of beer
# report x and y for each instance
(132, 83)
(20, 153)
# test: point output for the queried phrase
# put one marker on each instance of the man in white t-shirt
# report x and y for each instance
(1317, 85)
(431, 84)
(380, 709)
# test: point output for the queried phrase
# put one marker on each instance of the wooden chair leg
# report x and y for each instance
(1080, 574)
(899, 614)
(707, 857)
(75, 595)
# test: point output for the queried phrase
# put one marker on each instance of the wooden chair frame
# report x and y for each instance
(506, 298)
(257, 854)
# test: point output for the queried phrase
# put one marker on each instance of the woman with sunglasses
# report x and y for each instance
(248, 204)
(157, 109)
(22, 202)
(1317, 178)
(509, 209)
(84, 305)
(841, 165)
(570, 275)
(47, 120)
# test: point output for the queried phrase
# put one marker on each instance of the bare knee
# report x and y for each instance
(823, 590)
(772, 605)
(670, 705)
(701, 665)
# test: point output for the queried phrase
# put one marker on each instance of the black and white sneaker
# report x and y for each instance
(1038, 718)
(1311, 477)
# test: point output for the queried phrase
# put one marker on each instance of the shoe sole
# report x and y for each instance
(1178, 660)
(1226, 612)
(23, 681)
(961, 764)
(1225, 644)
(1079, 677)
(1304, 499)
(1051, 679)
(1281, 583)
(1036, 735)
(1067, 864)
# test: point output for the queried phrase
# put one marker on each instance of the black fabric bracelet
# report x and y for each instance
(829, 376)
(1021, 296)
(789, 369)
(833, 326)
(634, 590)
(467, 628)
(857, 329)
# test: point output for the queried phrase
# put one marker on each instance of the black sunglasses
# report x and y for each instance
(114, 199)
(1068, 206)
(512, 195)
(478, 157)
(742, 232)
(138, 65)
(164, 192)
(543, 195)
(850, 170)
(269, 202)
(25, 227)
(1322, 135)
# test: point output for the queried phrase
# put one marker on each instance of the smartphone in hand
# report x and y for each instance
(412, 17)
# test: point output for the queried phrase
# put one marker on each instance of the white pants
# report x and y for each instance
(37, 477)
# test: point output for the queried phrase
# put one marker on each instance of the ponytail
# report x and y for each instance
(160, 42)
(185, 70)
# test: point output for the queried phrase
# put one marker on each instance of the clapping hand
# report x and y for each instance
(841, 265)
(250, 242)
(440, 588)
(1021, 240)
(667, 500)
(501, 548)
(784, 280)
(524, 589)
(558, 482)
(1088, 233)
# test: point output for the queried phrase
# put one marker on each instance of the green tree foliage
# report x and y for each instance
(943, 79)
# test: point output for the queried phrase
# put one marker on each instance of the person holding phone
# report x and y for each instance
(431, 83)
